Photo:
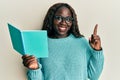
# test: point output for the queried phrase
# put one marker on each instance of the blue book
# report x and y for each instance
(31, 42)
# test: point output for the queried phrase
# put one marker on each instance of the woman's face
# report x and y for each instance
(62, 22)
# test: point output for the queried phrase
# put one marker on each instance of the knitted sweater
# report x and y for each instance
(69, 58)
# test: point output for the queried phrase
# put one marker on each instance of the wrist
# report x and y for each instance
(98, 49)
(34, 66)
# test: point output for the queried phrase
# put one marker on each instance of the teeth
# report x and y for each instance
(62, 28)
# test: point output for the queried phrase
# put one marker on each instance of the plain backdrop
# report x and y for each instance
(29, 14)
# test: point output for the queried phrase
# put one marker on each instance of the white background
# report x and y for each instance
(29, 14)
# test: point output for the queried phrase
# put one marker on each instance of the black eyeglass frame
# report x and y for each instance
(68, 19)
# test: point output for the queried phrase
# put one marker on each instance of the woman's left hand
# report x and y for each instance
(94, 40)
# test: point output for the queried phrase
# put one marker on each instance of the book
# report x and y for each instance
(31, 42)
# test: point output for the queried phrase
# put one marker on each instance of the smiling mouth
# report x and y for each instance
(62, 29)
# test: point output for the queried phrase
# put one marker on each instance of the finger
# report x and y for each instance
(95, 37)
(30, 62)
(29, 58)
(95, 30)
(92, 38)
(24, 56)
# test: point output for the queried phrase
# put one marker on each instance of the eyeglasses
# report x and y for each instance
(68, 19)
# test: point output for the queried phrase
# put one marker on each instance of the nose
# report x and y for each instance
(63, 21)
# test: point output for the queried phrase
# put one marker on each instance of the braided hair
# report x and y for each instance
(48, 21)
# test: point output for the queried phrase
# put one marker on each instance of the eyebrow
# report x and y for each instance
(62, 16)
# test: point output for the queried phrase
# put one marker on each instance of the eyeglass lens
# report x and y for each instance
(68, 19)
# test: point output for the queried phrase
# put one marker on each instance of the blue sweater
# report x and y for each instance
(69, 58)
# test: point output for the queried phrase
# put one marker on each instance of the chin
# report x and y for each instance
(63, 34)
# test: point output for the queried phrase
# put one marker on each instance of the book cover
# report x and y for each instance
(31, 42)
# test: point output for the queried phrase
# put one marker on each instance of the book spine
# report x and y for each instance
(22, 40)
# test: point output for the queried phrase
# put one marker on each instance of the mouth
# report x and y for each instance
(62, 29)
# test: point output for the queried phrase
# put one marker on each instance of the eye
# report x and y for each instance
(58, 18)
(69, 19)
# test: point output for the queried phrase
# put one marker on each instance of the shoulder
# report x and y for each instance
(83, 42)
(83, 39)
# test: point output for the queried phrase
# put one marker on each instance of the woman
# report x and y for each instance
(71, 56)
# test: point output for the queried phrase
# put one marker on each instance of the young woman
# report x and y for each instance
(71, 56)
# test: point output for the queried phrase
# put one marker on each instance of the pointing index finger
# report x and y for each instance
(95, 30)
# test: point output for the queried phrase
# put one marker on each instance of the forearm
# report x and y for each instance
(35, 74)
(95, 65)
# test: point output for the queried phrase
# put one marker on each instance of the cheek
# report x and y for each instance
(70, 25)
(55, 23)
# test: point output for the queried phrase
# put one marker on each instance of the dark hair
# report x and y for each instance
(48, 21)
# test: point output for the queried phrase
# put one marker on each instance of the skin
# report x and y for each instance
(31, 62)
(62, 28)
(94, 40)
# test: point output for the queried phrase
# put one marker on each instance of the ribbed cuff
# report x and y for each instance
(35, 74)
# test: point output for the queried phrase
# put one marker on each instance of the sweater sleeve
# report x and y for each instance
(95, 63)
(35, 74)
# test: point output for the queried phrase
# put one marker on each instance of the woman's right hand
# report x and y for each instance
(30, 62)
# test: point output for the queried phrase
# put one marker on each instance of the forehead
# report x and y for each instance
(64, 11)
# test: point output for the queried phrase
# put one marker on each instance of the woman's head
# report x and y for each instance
(61, 20)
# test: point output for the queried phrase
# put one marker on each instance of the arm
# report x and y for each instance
(96, 58)
(95, 64)
(34, 67)
(35, 74)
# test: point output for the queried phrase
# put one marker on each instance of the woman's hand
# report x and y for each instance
(30, 62)
(94, 40)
